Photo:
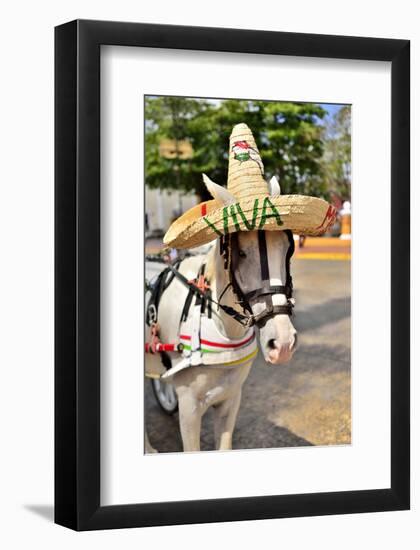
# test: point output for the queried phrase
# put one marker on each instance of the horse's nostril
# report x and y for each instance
(271, 343)
(295, 341)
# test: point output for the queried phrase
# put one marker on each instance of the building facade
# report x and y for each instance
(162, 207)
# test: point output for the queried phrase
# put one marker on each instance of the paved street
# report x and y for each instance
(307, 401)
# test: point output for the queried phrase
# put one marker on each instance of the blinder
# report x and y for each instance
(229, 248)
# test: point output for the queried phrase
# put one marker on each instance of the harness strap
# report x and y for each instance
(262, 245)
(261, 318)
(156, 290)
(187, 305)
(244, 320)
(273, 289)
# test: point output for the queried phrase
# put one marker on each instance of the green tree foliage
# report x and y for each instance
(337, 155)
(289, 137)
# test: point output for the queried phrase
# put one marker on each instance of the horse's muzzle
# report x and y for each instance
(280, 352)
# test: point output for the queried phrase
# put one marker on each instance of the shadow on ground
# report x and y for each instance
(321, 314)
(45, 511)
(261, 433)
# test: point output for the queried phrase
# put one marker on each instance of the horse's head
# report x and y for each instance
(260, 274)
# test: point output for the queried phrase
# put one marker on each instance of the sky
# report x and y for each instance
(332, 108)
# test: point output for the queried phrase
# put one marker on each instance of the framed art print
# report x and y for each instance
(232, 275)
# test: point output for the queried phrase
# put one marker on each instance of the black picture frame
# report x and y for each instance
(77, 274)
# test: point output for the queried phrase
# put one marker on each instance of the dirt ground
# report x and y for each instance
(307, 401)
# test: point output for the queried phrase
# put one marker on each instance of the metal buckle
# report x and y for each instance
(250, 321)
(152, 313)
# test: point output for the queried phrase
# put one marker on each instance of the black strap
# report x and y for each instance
(203, 298)
(261, 318)
(273, 289)
(164, 279)
(289, 254)
(244, 320)
(187, 305)
(262, 245)
(156, 290)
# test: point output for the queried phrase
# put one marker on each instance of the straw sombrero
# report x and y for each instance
(249, 202)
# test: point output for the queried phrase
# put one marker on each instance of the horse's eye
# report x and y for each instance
(242, 254)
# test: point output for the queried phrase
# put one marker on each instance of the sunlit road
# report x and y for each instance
(307, 401)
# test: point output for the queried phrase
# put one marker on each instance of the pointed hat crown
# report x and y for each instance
(246, 170)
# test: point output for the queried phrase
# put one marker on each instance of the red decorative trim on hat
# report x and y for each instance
(203, 209)
(242, 144)
(329, 217)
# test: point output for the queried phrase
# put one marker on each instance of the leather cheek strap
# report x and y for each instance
(266, 291)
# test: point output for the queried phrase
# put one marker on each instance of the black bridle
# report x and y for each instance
(229, 248)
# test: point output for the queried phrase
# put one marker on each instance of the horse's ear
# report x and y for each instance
(218, 192)
(274, 187)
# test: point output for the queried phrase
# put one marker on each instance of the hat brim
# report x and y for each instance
(209, 220)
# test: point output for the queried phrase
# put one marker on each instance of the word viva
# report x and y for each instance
(235, 212)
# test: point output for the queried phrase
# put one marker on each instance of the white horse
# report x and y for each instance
(200, 388)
